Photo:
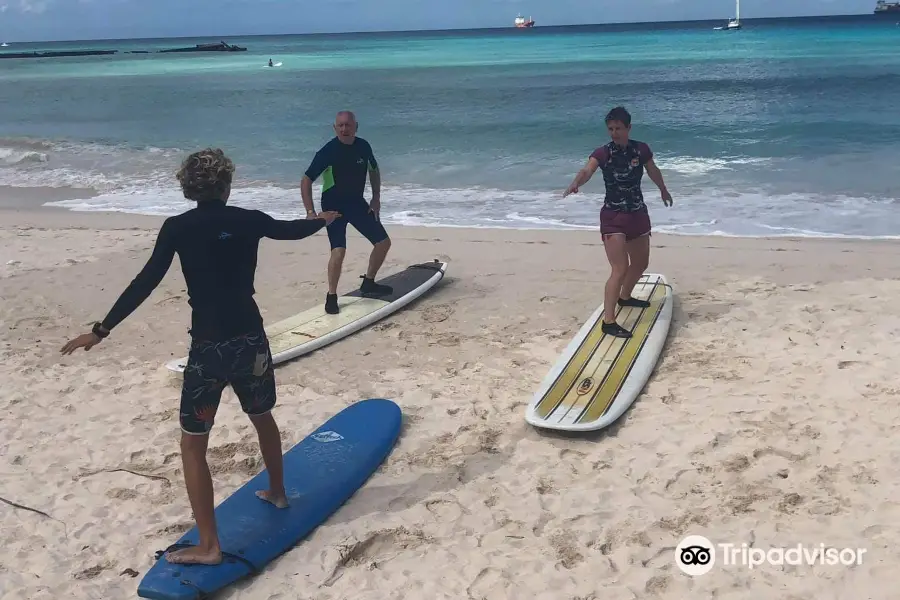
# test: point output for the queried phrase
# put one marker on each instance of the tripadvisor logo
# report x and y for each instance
(695, 555)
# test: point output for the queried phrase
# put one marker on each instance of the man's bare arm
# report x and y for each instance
(306, 195)
(375, 180)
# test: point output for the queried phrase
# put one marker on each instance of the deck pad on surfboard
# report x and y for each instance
(320, 474)
(314, 328)
(598, 376)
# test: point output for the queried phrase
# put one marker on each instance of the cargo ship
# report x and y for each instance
(887, 8)
(521, 22)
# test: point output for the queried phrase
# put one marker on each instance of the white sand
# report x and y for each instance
(771, 420)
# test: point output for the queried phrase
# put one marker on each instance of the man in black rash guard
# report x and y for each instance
(217, 245)
(343, 163)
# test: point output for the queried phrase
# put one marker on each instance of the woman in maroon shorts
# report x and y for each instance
(624, 221)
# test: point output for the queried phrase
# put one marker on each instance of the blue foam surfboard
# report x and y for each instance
(320, 474)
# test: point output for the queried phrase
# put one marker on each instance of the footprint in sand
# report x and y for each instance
(567, 551)
(121, 494)
(448, 340)
(93, 572)
(657, 584)
(545, 486)
(789, 503)
(376, 548)
(437, 314)
(447, 510)
(737, 463)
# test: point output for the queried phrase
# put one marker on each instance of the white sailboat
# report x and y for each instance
(735, 23)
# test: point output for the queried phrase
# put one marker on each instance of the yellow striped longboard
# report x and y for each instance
(599, 376)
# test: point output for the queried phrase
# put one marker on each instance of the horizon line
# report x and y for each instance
(450, 30)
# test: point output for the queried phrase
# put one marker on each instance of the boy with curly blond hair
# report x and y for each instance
(217, 245)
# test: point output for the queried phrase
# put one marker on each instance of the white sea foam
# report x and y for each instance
(747, 215)
(141, 181)
(691, 165)
(10, 157)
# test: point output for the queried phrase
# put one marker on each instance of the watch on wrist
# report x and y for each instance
(99, 331)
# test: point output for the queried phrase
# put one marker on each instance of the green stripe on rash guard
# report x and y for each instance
(372, 166)
(327, 180)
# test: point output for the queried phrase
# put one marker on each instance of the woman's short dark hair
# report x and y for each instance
(619, 114)
(206, 175)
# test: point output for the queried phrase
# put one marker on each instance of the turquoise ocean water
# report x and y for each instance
(788, 127)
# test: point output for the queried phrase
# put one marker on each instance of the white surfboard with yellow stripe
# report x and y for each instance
(599, 376)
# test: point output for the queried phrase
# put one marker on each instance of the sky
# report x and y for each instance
(39, 20)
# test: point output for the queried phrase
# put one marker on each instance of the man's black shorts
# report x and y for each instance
(356, 213)
(245, 362)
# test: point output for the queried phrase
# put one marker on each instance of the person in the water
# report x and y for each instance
(217, 245)
(624, 219)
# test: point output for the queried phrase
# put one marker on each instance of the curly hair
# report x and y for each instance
(206, 175)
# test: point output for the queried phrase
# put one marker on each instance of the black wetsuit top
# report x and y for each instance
(217, 245)
(343, 168)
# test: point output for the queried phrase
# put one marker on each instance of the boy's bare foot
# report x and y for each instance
(279, 500)
(195, 556)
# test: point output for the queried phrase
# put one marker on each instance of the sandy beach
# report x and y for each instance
(771, 419)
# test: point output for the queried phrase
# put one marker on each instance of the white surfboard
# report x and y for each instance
(598, 376)
(314, 328)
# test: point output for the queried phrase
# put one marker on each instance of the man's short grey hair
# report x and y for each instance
(349, 113)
